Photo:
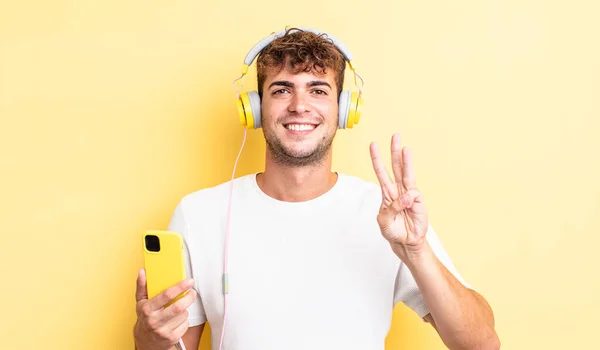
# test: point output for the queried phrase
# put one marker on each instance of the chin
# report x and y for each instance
(300, 152)
(295, 156)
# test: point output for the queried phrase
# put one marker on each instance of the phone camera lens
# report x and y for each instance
(152, 243)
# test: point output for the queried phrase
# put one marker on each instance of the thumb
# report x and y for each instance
(411, 196)
(141, 292)
(406, 200)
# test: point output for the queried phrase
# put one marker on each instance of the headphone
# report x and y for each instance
(249, 104)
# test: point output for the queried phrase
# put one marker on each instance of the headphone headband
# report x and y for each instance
(258, 47)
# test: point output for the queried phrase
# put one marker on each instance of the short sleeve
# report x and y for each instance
(406, 289)
(196, 314)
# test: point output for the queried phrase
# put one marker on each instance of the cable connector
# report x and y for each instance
(225, 283)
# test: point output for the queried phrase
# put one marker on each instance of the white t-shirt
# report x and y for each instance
(314, 275)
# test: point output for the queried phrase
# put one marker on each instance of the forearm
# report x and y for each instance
(137, 346)
(462, 318)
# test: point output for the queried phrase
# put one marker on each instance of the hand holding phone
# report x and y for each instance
(161, 303)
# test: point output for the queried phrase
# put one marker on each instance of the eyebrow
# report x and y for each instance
(318, 83)
(291, 85)
(281, 83)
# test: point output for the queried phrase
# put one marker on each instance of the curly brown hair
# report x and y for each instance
(304, 51)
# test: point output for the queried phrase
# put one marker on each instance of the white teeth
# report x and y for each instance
(300, 127)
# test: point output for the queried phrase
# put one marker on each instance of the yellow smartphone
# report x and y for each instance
(163, 261)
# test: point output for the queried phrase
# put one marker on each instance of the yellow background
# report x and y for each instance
(111, 111)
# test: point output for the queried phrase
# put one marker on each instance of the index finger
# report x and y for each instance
(141, 292)
(380, 171)
(169, 294)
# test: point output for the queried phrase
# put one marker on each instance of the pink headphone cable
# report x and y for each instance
(226, 255)
(180, 345)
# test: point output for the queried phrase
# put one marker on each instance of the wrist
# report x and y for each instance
(139, 345)
(414, 255)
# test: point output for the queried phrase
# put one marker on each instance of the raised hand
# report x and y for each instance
(402, 216)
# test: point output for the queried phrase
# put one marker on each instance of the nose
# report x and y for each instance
(299, 103)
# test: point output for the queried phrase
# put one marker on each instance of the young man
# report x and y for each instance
(317, 259)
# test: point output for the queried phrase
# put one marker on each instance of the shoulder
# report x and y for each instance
(211, 197)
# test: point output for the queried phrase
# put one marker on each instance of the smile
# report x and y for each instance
(300, 127)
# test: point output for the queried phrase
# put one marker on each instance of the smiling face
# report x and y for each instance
(300, 116)
(299, 79)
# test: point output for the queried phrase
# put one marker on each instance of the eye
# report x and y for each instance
(320, 92)
(280, 91)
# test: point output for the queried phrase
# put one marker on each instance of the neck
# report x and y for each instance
(296, 184)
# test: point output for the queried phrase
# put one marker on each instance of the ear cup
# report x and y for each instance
(243, 104)
(343, 109)
(256, 110)
(249, 110)
(354, 110)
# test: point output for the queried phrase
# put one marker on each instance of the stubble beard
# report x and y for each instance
(288, 158)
